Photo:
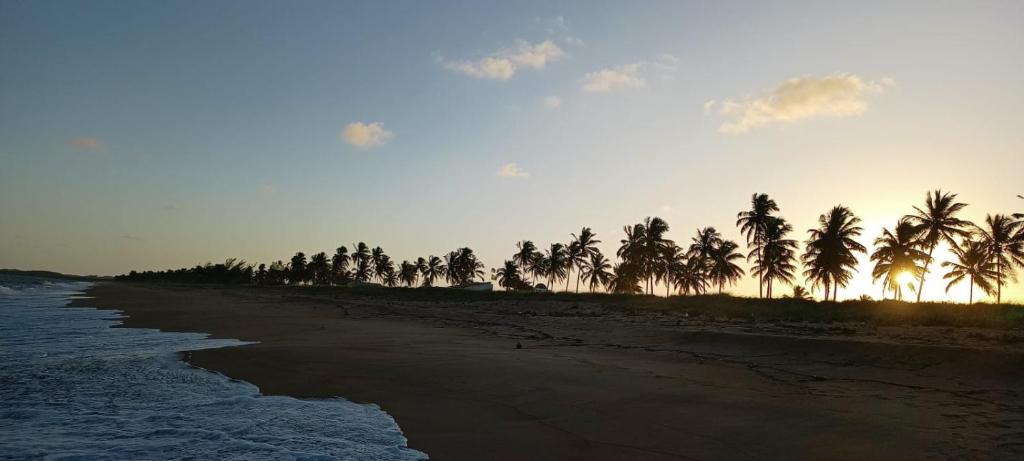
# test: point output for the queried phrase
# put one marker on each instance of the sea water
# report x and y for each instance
(72, 387)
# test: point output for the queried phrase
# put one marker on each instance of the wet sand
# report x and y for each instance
(595, 383)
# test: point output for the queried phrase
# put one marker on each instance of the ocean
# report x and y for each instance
(73, 387)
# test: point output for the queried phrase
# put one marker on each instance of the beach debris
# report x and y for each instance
(519, 345)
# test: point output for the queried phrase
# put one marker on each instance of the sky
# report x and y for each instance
(148, 135)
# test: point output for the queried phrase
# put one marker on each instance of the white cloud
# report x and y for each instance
(365, 135)
(795, 99)
(511, 170)
(605, 80)
(86, 143)
(630, 75)
(552, 102)
(504, 63)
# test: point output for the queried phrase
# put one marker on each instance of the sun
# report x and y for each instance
(905, 279)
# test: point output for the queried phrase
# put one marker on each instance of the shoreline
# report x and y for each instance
(594, 383)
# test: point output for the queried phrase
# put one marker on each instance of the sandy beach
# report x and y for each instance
(550, 379)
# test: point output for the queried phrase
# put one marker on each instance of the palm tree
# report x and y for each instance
(625, 279)
(631, 248)
(688, 277)
(597, 272)
(777, 257)
(508, 276)
(972, 262)
(898, 253)
(555, 263)
(319, 269)
(937, 222)
(339, 265)
(431, 269)
(654, 245)
(801, 293)
(752, 224)
(706, 240)
(378, 258)
(582, 248)
(389, 278)
(462, 267)
(525, 251)
(828, 257)
(673, 260)
(361, 262)
(408, 273)
(297, 269)
(1003, 240)
(723, 269)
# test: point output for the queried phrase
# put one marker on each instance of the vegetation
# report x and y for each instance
(986, 256)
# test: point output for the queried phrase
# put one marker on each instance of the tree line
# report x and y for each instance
(986, 256)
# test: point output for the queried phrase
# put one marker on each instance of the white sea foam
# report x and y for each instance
(72, 387)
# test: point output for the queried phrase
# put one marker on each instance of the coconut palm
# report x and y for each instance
(297, 269)
(360, 258)
(339, 265)
(389, 277)
(699, 253)
(937, 223)
(752, 224)
(688, 277)
(973, 263)
(672, 261)
(829, 256)
(582, 248)
(800, 292)
(408, 273)
(555, 263)
(319, 269)
(598, 271)
(431, 269)
(462, 267)
(1003, 240)
(896, 253)
(525, 252)
(777, 257)
(654, 245)
(379, 259)
(508, 276)
(723, 269)
(625, 279)
(536, 267)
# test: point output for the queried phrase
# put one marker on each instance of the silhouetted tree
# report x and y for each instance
(972, 262)
(724, 269)
(1003, 240)
(432, 269)
(936, 223)
(898, 253)
(525, 252)
(555, 264)
(699, 253)
(598, 271)
(339, 266)
(828, 257)
(319, 269)
(753, 224)
(408, 273)
(777, 258)
(581, 249)
(297, 272)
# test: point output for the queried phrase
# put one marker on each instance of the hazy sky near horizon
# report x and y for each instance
(146, 135)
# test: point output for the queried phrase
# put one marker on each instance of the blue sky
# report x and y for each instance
(150, 135)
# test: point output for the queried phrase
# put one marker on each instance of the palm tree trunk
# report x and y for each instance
(920, 283)
(760, 280)
(579, 273)
(970, 292)
(999, 283)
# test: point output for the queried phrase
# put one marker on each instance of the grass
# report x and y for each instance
(882, 313)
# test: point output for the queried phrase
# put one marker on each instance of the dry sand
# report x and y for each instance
(597, 384)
